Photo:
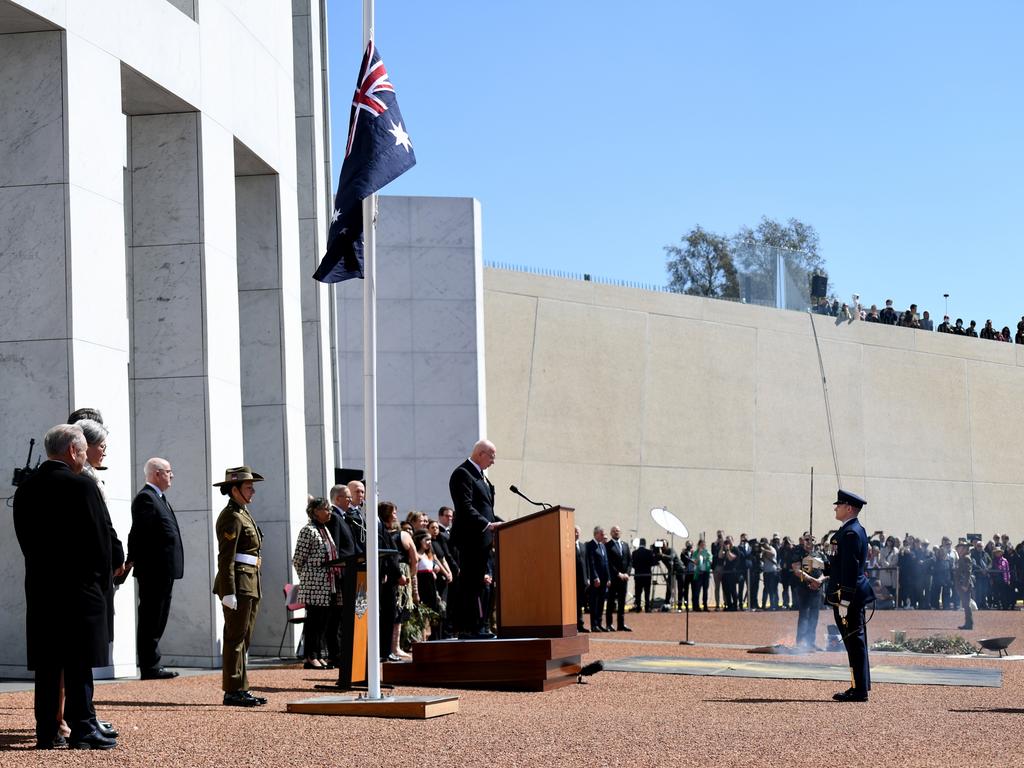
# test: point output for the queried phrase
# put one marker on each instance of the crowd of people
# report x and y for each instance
(436, 576)
(416, 575)
(910, 318)
(751, 573)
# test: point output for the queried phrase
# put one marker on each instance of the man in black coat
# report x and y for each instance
(473, 529)
(348, 533)
(582, 581)
(59, 519)
(155, 552)
(619, 562)
(597, 568)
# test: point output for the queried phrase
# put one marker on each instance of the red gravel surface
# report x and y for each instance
(616, 719)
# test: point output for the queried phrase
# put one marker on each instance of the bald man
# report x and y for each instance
(473, 534)
(155, 550)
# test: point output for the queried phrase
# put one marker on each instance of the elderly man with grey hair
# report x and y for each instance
(156, 553)
(59, 522)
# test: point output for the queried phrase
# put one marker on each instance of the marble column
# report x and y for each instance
(314, 195)
(186, 394)
(272, 407)
(431, 405)
(63, 320)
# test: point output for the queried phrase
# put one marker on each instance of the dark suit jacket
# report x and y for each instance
(451, 552)
(597, 565)
(582, 569)
(847, 580)
(60, 521)
(154, 542)
(618, 563)
(346, 540)
(473, 501)
(443, 552)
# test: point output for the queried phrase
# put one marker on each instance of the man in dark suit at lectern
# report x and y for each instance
(473, 534)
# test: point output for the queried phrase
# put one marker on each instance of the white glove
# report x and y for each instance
(231, 602)
(844, 608)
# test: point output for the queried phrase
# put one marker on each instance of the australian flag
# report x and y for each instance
(378, 151)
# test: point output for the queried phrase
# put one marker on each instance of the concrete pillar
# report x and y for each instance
(430, 348)
(314, 192)
(272, 407)
(63, 318)
(186, 396)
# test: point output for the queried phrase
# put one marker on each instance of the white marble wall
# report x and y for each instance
(64, 337)
(430, 351)
(273, 417)
(77, 309)
(314, 189)
(184, 344)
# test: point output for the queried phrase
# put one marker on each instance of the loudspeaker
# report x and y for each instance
(344, 476)
(819, 285)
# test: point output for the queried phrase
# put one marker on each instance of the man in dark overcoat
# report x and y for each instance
(60, 522)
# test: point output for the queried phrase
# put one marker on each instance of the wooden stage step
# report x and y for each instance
(520, 664)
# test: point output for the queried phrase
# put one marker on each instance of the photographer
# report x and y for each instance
(730, 564)
(685, 576)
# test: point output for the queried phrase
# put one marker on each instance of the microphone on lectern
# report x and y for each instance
(517, 492)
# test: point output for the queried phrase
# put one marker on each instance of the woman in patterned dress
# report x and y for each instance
(318, 583)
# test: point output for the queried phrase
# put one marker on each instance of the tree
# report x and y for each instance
(702, 266)
(756, 253)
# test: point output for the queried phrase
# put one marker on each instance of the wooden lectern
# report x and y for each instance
(535, 570)
(537, 647)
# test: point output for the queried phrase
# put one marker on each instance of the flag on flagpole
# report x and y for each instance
(378, 151)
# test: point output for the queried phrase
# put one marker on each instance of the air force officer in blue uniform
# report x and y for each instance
(849, 591)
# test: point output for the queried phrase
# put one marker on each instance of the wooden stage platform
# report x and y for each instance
(520, 664)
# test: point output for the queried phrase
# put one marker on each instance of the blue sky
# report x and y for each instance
(594, 133)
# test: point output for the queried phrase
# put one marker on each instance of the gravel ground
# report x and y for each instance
(616, 719)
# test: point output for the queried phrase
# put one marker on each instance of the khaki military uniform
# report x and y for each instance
(238, 573)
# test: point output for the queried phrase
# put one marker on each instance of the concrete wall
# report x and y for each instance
(430, 355)
(615, 400)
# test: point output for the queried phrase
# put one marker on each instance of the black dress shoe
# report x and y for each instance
(106, 729)
(608, 628)
(966, 626)
(94, 740)
(598, 628)
(157, 673)
(583, 630)
(258, 699)
(624, 628)
(239, 699)
(57, 742)
(850, 694)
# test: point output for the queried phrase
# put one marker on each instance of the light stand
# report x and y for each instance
(686, 604)
(673, 525)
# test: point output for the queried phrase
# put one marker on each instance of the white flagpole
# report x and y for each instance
(373, 638)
